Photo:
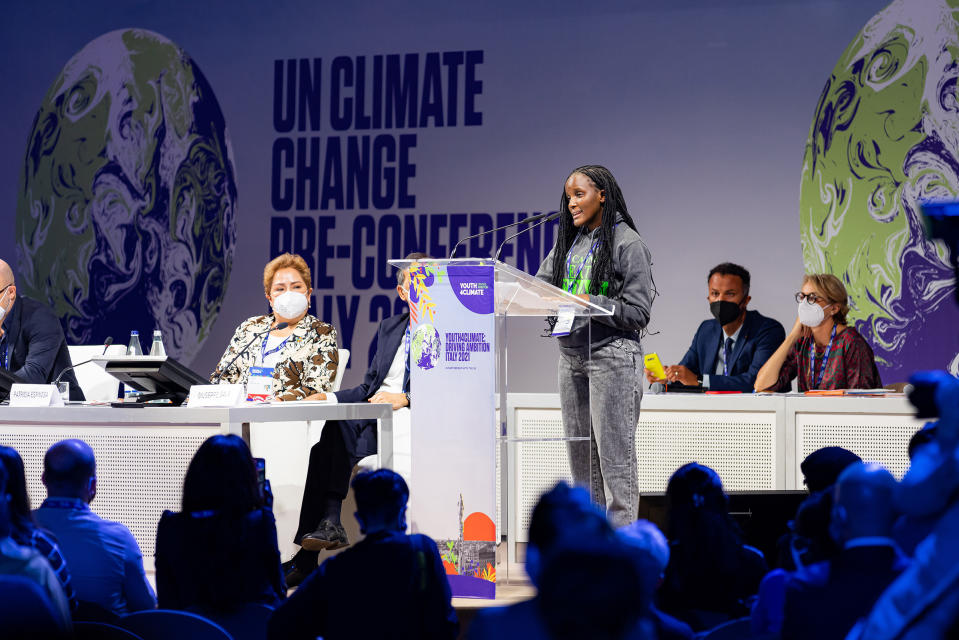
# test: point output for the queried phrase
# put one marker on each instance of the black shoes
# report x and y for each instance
(293, 574)
(328, 536)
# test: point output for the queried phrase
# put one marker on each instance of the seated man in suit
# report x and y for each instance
(32, 346)
(343, 443)
(727, 352)
(824, 600)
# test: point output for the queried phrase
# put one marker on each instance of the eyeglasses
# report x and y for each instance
(811, 298)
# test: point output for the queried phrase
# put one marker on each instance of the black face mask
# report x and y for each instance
(725, 311)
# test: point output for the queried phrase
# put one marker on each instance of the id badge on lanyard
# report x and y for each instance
(259, 388)
(564, 320)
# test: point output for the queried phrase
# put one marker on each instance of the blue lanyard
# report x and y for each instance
(264, 353)
(5, 352)
(825, 358)
(569, 261)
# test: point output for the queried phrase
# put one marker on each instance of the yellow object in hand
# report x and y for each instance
(654, 366)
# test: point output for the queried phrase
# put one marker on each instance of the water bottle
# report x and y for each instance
(129, 393)
(134, 349)
(157, 348)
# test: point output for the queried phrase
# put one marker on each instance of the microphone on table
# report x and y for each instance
(505, 226)
(259, 334)
(549, 217)
(106, 345)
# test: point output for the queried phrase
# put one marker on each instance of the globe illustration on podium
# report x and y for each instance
(885, 136)
(426, 348)
(126, 217)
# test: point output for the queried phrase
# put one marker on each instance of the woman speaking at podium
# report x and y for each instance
(287, 363)
(600, 257)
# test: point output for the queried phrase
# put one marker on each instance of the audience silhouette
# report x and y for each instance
(825, 599)
(24, 529)
(923, 602)
(51, 614)
(711, 573)
(589, 583)
(867, 558)
(104, 559)
(388, 585)
(220, 552)
(652, 548)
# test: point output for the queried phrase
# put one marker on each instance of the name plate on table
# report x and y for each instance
(35, 395)
(217, 395)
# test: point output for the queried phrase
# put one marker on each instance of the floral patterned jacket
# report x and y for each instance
(307, 361)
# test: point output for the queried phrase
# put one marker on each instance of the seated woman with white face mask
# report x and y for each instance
(287, 363)
(822, 350)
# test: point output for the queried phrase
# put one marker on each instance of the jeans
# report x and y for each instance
(600, 397)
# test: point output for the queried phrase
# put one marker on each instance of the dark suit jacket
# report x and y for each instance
(360, 435)
(37, 350)
(825, 600)
(759, 338)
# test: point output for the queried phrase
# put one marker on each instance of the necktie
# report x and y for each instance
(727, 350)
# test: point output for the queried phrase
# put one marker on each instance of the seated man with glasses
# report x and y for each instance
(821, 350)
(33, 349)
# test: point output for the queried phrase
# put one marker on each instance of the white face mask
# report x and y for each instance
(290, 304)
(811, 314)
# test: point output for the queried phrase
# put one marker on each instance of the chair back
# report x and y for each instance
(739, 629)
(247, 623)
(101, 631)
(96, 383)
(341, 368)
(163, 624)
(26, 610)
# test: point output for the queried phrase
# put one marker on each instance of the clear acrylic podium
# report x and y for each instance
(515, 294)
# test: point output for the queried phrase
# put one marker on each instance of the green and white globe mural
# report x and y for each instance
(885, 136)
(126, 216)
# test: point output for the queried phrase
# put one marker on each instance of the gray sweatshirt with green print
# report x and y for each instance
(630, 294)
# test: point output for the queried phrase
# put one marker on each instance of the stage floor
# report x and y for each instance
(506, 594)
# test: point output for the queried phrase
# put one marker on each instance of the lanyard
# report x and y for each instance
(5, 352)
(264, 353)
(825, 359)
(569, 261)
(406, 343)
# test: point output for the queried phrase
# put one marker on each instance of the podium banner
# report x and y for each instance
(452, 382)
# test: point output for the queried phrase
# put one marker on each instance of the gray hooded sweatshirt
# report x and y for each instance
(630, 294)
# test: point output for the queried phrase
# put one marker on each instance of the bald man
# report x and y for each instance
(104, 558)
(32, 346)
(825, 600)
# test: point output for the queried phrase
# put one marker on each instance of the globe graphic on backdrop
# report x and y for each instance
(885, 136)
(126, 217)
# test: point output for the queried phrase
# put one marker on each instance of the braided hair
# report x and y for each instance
(602, 269)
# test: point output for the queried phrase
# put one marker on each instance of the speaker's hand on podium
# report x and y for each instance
(397, 400)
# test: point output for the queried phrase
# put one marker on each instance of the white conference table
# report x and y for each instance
(143, 453)
(754, 441)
